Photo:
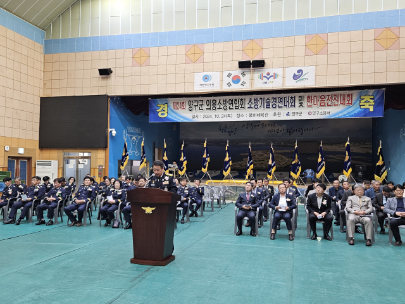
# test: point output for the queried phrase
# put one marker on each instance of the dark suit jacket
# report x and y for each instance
(312, 203)
(378, 200)
(345, 197)
(310, 187)
(241, 200)
(290, 202)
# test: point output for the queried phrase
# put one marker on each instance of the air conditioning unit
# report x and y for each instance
(47, 168)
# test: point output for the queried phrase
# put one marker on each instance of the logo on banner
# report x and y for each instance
(206, 81)
(268, 78)
(236, 79)
(296, 76)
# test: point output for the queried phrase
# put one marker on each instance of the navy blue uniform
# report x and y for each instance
(127, 209)
(47, 187)
(196, 196)
(246, 199)
(34, 193)
(20, 188)
(119, 196)
(86, 193)
(164, 183)
(59, 194)
(68, 189)
(185, 194)
(8, 193)
(73, 188)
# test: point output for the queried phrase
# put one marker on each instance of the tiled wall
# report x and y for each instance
(342, 59)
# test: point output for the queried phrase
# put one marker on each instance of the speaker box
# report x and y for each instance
(105, 72)
(245, 64)
(257, 63)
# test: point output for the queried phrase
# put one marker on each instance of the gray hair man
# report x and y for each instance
(357, 207)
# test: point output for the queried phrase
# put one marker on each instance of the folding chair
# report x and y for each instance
(318, 221)
(179, 210)
(246, 218)
(292, 221)
(371, 216)
(208, 197)
(390, 235)
(6, 207)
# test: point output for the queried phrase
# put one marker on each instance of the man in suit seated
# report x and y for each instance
(319, 205)
(183, 191)
(196, 196)
(283, 204)
(379, 202)
(315, 183)
(346, 194)
(357, 206)
(396, 208)
(264, 197)
(247, 204)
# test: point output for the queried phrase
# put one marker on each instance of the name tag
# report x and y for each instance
(165, 183)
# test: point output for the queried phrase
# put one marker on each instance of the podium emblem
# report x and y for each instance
(148, 210)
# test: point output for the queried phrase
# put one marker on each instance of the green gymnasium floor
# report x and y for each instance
(90, 264)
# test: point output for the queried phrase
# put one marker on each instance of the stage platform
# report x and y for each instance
(58, 264)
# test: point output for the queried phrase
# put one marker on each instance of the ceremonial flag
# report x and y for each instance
(125, 156)
(205, 158)
(249, 165)
(347, 166)
(271, 167)
(380, 170)
(183, 161)
(320, 168)
(143, 156)
(165, 159)
(227, 161)
(296, 164)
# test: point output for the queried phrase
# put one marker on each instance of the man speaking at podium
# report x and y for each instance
(160, 180)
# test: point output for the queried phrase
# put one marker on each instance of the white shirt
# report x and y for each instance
(319, 200)
(384, 200)
(283, 201)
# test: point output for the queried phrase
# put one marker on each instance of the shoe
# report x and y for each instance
(259, 226)
(337, 223)
(327, 237)
(343, 230)
(314, 236)
(40, 222)
(278, 227)
(252, 233)
(290, 237)
(369, 243)
(247, 224)
(351, 241)
(382, 231)
(398, 243)
(107, 222)
(272, 236)
(72, 224)
(264, 219)
(195, 214)
(182, 220)
(357, 230)
(10, 221)
(18, 221)
(239, 233)
(78, 224)
(50, 223)
(128, 226)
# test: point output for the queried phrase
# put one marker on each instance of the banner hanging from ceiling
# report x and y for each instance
(322, 105)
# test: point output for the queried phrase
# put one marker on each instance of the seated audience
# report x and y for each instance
(127, 209)
(247, 204)
(196, 197)
(33, 193)
(379, 202)
(357, 206)
(336, 193)
(19, 186)
(315, 183)
(291, 186)
(52, 198)
(183, 191)
(9, 192)
(391, 185)
(84, 195)
(396, 208)
(106, 188)
(283, 205)
(115, 197)
(128, 183)
(373, 190)
(48, 185)
(72, 184)
(319, 206)
(264, 198)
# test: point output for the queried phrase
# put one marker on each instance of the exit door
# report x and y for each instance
(20, 167)
(77, 165)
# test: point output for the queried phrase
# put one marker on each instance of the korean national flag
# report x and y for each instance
(236, 79)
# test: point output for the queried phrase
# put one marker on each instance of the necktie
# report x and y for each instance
(247, 197)
(360, 201)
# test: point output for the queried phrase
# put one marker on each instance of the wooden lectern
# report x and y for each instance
(153, 216)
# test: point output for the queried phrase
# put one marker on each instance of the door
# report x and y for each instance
(76, 165)
(19, 166)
